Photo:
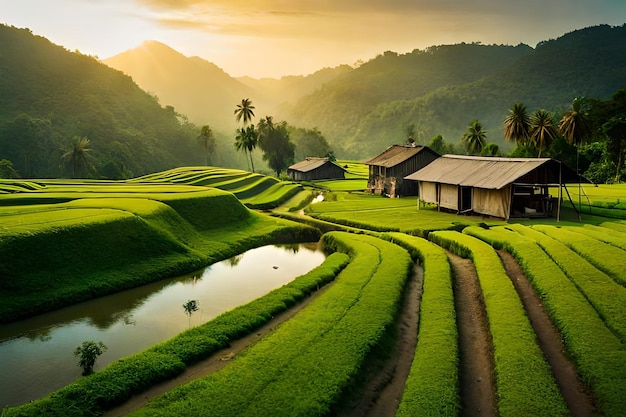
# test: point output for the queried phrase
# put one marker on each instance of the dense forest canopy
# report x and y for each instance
(49, 96)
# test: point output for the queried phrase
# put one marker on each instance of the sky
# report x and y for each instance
(273, 38)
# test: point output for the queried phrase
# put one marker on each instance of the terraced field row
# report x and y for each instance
(312, 363)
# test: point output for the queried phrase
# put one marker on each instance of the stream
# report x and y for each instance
(36, 354)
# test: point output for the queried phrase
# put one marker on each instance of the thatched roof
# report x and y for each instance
(493, 173)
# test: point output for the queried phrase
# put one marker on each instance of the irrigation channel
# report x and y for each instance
(36, 354)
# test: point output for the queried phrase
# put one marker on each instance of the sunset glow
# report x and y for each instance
(272, 38)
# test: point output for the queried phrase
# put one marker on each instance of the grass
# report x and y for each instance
(432, 386)
(607, 297)
(112, 386)
(524, 381)
(605, 257)
(321, 350)
(378, 213)
(598, 354)
(76, 239)
(88, 247)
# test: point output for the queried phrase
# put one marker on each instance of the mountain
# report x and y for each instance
(193, 86)
(373, 107)
(341, 106)
(50, 96)
(286, 91)
(204, 92)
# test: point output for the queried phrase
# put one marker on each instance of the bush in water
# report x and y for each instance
(88, 353)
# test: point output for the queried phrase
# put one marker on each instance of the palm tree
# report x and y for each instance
(207, 140)
(517, 124)
(244, 111)
(475, 137)
(574, 125)
(542, 130)
(246, 141)
(77, 158)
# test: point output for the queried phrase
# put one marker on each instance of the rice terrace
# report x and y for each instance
(414, 311)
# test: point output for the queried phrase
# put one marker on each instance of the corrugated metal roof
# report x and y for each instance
(394, 155)
(480, 172)
(309, 164)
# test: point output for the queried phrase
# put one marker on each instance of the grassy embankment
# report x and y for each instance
(69, 241)
(125, 377)
(432, 387)
(308, 364)
(524, 381)
(597, 352)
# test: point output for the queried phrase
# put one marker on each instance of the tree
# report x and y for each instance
(475, 138)
(309, 142)
(439, 145)
(576, 129)
(244, 111)
(6, 169)
(190, 307)
(542, 130)
(25, 141)
(517, 124)
(76, 160)
(615, 130)
(247, 141)
(207, 140)
(574, 125)
(88, 353)
(278, 150)
(491, 149)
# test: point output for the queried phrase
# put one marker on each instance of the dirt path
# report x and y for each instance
(578, 401)
(212, 364)
(476, 352)
(384, 389)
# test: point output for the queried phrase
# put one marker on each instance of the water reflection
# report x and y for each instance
(36, 354)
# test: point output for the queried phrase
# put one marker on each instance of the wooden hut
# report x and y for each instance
(387, 170)
(315, 169)
(499, 187)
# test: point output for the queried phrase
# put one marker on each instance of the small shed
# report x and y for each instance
(499, 187)
(387, 170)
(315, 169)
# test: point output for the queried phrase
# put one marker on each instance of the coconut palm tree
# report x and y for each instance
(542, 130)
(475, 137)
(76, 159)
(207, 140)
(246, 141)
(517, 124)
(244, 111)
(574, 125)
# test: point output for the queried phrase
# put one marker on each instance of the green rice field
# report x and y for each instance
(73, 240)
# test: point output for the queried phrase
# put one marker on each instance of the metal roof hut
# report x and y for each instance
(387, 170)
(315, 169)
(499, 187)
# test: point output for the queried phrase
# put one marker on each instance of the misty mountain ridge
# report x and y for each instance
(438, 90)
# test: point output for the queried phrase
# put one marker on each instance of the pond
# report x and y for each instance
(36, 354)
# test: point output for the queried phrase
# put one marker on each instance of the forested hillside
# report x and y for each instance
(442, 89)
(50, 97)
(342, 106)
